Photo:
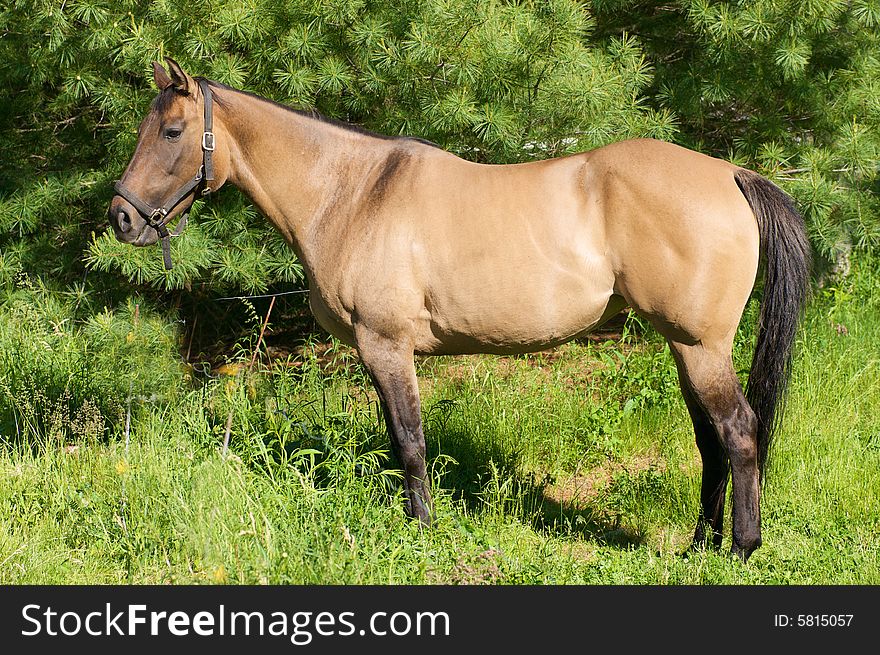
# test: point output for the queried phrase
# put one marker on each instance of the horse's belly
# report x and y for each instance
(514, 314)
(440, 339)
(336, 323)
(516, 282)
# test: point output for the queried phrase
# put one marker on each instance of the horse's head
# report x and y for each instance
(174, 160)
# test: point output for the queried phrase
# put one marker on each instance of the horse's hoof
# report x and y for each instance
(696, 549)
(742, 553)
(690, 550)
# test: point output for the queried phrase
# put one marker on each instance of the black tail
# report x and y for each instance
(787, 253)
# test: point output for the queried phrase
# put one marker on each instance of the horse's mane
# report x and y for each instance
(309, 113)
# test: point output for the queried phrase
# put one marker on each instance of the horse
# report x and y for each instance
(409, 249)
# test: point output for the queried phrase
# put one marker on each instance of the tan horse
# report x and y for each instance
(409, 249)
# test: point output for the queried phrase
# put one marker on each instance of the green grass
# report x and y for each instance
(573, 467)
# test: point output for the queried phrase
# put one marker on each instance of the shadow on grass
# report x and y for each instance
(488, 479)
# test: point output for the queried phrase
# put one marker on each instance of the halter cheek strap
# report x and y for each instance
(157, 217)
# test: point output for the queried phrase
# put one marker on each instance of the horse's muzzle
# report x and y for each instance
(128, 225)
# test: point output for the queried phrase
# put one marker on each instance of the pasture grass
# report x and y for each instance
(575, 466)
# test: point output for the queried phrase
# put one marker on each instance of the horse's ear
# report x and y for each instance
(179, 78)
(160, 76)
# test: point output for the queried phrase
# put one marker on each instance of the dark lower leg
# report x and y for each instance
(710, 522)
(735, 423)
(409, 449)
(395, 381)
(742, 447)
(726, 431)
(716, 469)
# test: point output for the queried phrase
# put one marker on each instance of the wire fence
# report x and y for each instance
(264, 295)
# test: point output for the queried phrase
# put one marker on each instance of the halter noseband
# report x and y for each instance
(157, 217)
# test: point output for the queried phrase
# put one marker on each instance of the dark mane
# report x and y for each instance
(163, 101)
(313, 114)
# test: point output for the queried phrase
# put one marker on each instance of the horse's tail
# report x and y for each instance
(787, 255)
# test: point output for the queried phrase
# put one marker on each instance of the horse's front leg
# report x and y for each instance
(390, 364)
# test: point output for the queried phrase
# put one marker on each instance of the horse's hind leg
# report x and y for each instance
(726, 430)
(393, 372)
(716, 468)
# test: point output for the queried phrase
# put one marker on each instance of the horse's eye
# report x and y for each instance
(172, 133)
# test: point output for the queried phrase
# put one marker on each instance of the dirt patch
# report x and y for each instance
(581, 489)
(472, 569)
(580, 550)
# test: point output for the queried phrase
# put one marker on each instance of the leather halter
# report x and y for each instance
(157, 217)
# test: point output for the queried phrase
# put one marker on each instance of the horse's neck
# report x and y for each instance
(292, 166)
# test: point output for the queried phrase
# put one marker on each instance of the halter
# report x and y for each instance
(157, 217)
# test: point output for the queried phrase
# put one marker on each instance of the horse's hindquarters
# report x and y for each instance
(683, 240)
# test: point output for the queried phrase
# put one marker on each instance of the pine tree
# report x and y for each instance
(786, 87)
(781, 86)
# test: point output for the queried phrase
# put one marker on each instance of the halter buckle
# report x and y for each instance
(158, 216)
(208, 141)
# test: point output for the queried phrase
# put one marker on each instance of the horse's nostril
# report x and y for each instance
(124, 221)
